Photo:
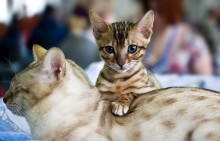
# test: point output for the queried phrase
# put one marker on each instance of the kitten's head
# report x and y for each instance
(37, 81)
(122, 44)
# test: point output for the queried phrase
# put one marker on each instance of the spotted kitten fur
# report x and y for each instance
(122, 46)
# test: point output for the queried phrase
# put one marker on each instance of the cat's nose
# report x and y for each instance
(4, 100)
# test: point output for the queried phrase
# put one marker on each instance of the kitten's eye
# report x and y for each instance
(109, 49)
(132, 48)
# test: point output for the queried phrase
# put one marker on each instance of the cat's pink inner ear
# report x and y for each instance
(145, 25)
(54, 62)
(98, 24)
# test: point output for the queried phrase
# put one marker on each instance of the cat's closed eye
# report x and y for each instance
(17, 90)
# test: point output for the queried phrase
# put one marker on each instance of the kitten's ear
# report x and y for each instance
(145, 25)
(39, 52)
(98, 24)
(54, 62)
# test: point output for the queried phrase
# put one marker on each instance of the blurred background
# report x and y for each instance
(184, 50)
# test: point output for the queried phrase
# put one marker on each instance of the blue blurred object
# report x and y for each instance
(50, 31)
(12, 127)
(14, 56)
(75, 47)
(14, 136)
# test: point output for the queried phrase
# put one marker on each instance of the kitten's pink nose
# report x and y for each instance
(121, 60)
(121, 64)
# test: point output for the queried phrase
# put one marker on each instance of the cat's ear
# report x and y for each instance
(98, 24)
(39, 52)
(54, 62)
(145, 25)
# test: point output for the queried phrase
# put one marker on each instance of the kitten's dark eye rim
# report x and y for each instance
(132, 48)
(109, 49)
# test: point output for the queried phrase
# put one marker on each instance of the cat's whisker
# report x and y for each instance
(18, 108)
(5, 82)
(20, 112)
(14, 69)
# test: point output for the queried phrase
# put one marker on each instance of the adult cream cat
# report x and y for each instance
(60, 104)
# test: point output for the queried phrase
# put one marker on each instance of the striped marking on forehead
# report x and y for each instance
(31, 67)
(120, 30)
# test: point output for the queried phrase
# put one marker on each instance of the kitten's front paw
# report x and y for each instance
(119, 109)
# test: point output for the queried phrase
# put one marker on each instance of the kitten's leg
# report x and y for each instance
(121, 106)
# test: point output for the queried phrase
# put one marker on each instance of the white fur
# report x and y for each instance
(125, 67)
(56, 110)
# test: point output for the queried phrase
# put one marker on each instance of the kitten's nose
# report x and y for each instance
(121, 64)
(121, 61)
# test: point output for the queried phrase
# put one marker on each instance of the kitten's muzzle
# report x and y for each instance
(121, 64)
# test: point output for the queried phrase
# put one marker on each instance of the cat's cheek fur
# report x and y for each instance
(16, 101)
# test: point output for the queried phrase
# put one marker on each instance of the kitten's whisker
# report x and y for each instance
(148, 66)
(107, 67)
(152, 57)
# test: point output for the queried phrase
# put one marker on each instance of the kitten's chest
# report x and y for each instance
(123, 85)
(119, 85)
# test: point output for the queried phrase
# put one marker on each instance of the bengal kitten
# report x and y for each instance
(122, 46)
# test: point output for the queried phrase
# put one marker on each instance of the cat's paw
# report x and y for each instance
(119, 109)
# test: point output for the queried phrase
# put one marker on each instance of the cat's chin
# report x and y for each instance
(18, 112)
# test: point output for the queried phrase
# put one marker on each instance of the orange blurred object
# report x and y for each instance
(171, 10)
(3, 30)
